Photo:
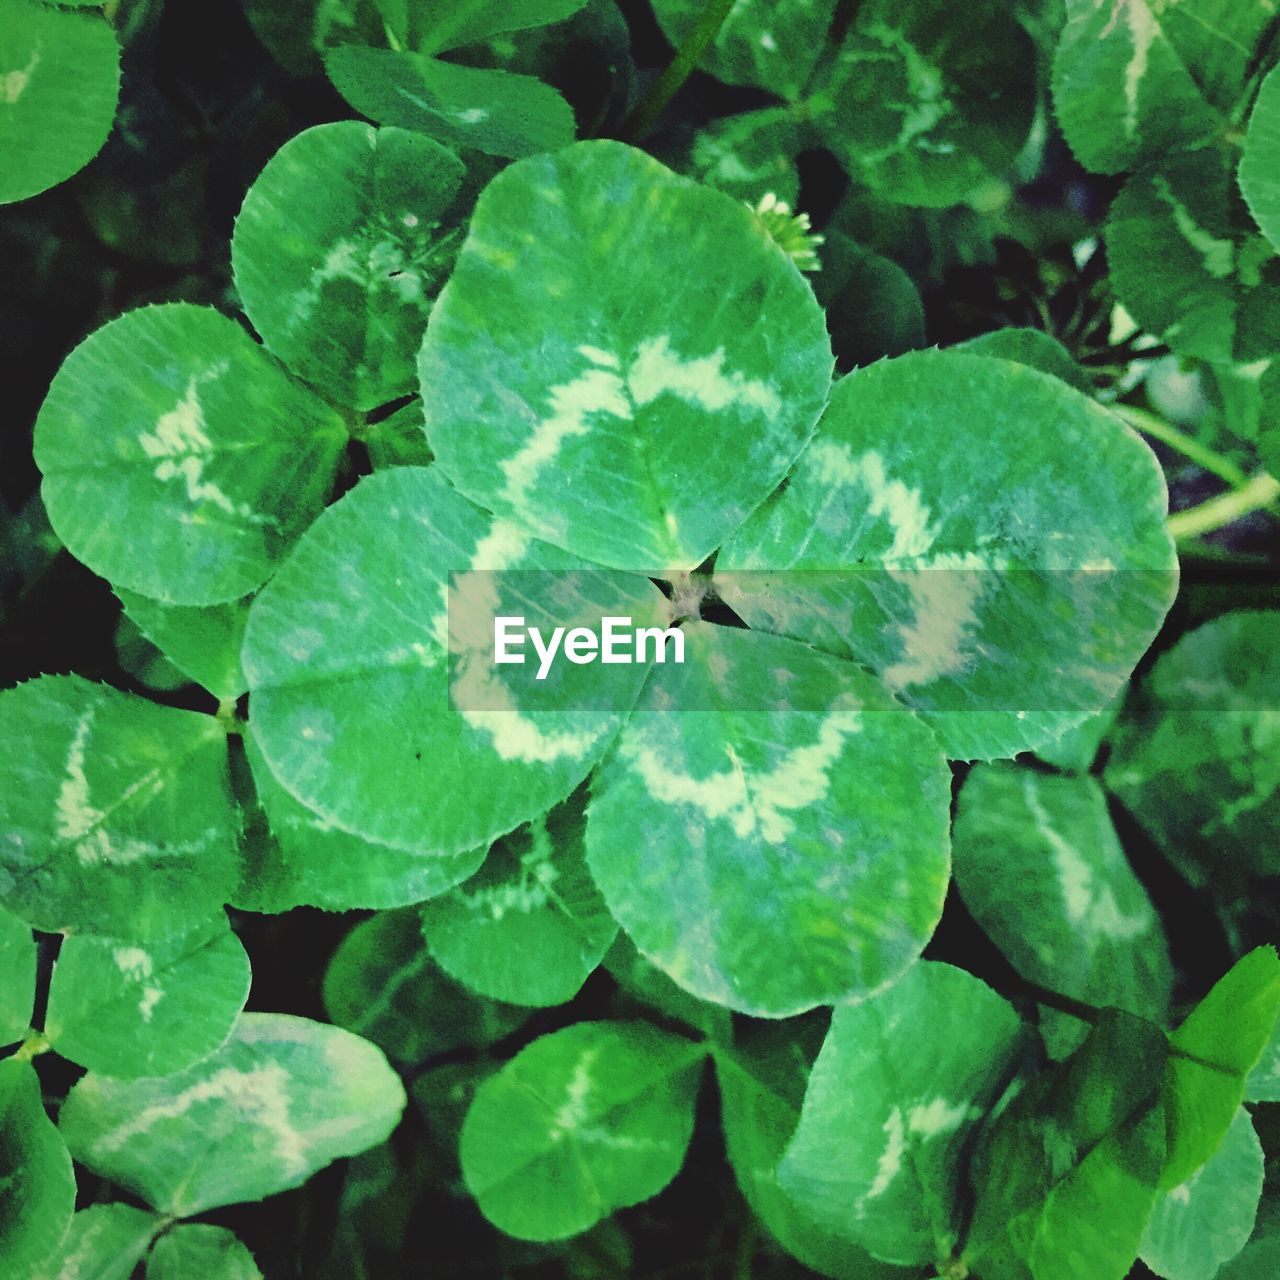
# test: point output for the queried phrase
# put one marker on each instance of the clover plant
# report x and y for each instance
(911, 892)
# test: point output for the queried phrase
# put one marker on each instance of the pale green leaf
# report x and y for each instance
(748, 830)
(1065, 1179)
(364, 715)
(293, 857)
(179, 461)
(584, 1121)
(18, 987)
(1198, 1226)
(339, 250)
(1196, 757)
(203, 643)
(105, 1242)
(37, 1186)
(762, 1083)
(530, 926)
(283, 1098)
(495, 112)
(1190, 266)
(988, 540)
(59, 81)
(1260, 164)
(770, 44)
(115, 817)
(193, 1249)
(1040, 867)
(1213, 1053)
(878, 1154)
(127, 1010)
(681, 359)
(929, 101)
(383, 984)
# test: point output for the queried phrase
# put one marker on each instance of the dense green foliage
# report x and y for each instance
(919, 921)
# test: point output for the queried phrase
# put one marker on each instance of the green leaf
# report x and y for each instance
(339, 250)
(293, 857)
(1002, 579)
(178, 459)
(1065, 1179)
(928, 102)
(116, 817)
(530, 926)
(1263, 1084)
(346, 658)
(127, 1010)
(1032, 347)
(1041, 869)
(647, 984)
(1189, 265)
(37, 1186)
(1198, 1226)
(680, 366)
(762, 1083)
(1136, 79)
(495, 112)
(434, 26)
(18, 990)
(584, 1121)
(749, 155)
(1197, 755)
(1212, 1054)
(1259, 1261)
(105, 1242)
(398, 440)
(773, 46)
(59, 81)
(748, 829)
(877, 1154)
(203, 643)
(193, 1249)
(1260, 163)
(873, 307)
(283, 1098)
(298, 31)
(383, 984)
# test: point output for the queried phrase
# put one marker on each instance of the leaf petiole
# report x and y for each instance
(669, 83)
(1254, 495)
(1148, 424)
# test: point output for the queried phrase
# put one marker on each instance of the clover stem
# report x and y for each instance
(1255, 494)
(668, 84)
(1158, 429)
(1069, 1005)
